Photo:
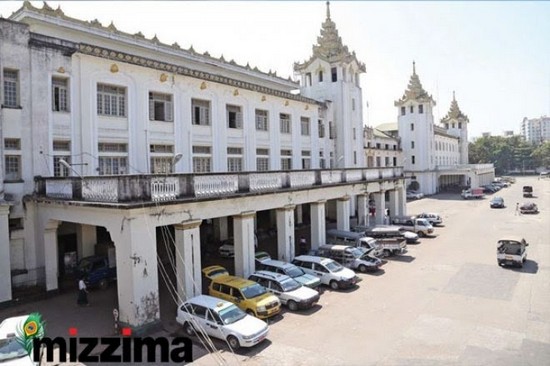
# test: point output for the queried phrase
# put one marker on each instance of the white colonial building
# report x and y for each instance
(381, 148)
(435, 156)
(109, 137)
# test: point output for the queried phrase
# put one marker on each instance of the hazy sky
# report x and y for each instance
(495, 55)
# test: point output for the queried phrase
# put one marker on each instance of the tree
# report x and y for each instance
(541, 155)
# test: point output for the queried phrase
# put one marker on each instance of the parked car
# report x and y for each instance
(97, 271)
(512, 251)
(331, 273)
(11, 351)
(387, 231)
(420, 226)
(527, 191)
(292, 271)
(528, 208)
(221, 319)
(497, 202)
(227, 248)
(351, 257)
(476, 193)
(289, 291)
(247, 295)
(259, 257)
(508, 179)
(414, 195)
(432, 217)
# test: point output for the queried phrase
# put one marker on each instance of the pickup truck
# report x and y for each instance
(383, 247)
(351, 257)
(476, 193)
(420, 226)
(512, 251)
(97, 271)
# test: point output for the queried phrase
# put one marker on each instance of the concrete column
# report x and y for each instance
(51, 260)
(5, 259)
(362, 210)
(87, 239)
(318, 231)
(342, 213)
(380, 204)
(188, 259)
(136, 259)
(393, 206)
(299, 214)
(221, 229)
(243, 232)
(285, 233)
(402, 197)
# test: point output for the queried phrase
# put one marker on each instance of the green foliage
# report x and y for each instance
(541, 155)
(506, 153)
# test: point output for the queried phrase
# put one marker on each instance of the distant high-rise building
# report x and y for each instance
(536, 130)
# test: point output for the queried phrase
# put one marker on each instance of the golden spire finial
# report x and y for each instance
(328, 9)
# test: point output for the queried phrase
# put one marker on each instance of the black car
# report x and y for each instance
(497, 202)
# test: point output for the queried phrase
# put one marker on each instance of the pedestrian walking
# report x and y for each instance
(518, 212)
(82, 293)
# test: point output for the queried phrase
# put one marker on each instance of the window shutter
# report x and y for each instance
(168, 111)
(239, 117)
(151, 110)
(205, 120)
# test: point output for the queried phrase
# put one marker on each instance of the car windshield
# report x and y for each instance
(289, 284)
(85, 265)
(11, 349)
(254, 290)
(510, 247)
(294, 272)
(333, 266)
(356, 252)
(231, 314)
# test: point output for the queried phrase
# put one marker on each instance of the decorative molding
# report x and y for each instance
(203, 85)
(61, 70)
(188, 225)
(263, 98)
(236, 92)
(114, 68)
(163, 77)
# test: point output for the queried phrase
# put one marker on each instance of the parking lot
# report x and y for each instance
(446, 302)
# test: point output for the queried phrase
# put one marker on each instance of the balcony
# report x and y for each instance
(134, 189)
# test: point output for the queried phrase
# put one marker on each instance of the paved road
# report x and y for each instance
(446, 302)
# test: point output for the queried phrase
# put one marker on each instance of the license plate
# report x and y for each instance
(508, 258)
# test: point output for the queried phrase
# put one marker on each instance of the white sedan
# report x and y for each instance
(11, 351)
(221, 319)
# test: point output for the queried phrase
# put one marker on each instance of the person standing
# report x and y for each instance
(517, 209)
(82, 293)
(303, 245)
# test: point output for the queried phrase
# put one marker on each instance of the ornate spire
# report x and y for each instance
(328, 9)
(455, 114)
(415, 91)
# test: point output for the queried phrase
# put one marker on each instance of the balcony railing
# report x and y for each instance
(159, 188)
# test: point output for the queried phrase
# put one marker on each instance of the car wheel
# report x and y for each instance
(233, 342)
(386, 253)
(188, 329)
(103, 284)
(362, 268)
(334, 285)
(421, 234)
(292, 305)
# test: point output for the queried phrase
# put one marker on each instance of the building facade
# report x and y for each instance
(536, 130)
(381, 149)
(108, 137)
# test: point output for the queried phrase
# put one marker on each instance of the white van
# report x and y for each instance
(331, 273)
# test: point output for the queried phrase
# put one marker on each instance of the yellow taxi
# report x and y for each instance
(247, 295)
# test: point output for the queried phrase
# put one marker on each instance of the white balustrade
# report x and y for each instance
(218, 185)
(265, 182)
(331, 176)
(354, 175)
(387, 173)
(302, 179)
(164, 189)
(102, 190)
(372, 174)
(59, 188)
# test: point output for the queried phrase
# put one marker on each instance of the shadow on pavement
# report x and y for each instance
(402, 258)
(529, 266)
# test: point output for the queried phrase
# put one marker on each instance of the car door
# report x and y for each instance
(277, 290)
(199, 317)
(321, 272)
(214, 325)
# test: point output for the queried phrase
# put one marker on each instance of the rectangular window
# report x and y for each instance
(453, 125)
(334, 74)
(322, 163)
(113, 158)
(459, 124)
(61, 151)
(308, 79)
(261, 120)
(306, 159)
(378, 145)
(394, 161)
(378, 161)
(202, 159)
(285, 125)
(386, 146)
(354, 133)
(111, 100)
(403, 111)
(234, 159)
(387, 161)
(355, 157)
(421, 108)
(200, 112)
(161, 107)
(12, 167)
(411, 108)
(11, 88)
(352, 104)
(234, 116)
(331, 131)
(12, 144)
(262, 160)
(60, 95)
(321, 128)
(286, 159)
(413, 160)
(412, 126)
(412, 144)
(320, 76)
(304, 123)
(162, 159)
